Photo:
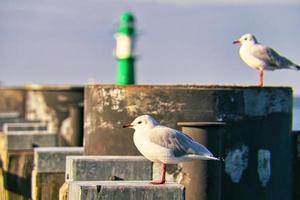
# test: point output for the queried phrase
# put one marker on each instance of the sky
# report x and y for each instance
(179, 42)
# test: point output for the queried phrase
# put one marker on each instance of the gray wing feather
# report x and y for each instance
(270, 56)
(177, 141)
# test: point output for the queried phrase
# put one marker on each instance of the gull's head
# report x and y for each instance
(247, 39)
(142, 122)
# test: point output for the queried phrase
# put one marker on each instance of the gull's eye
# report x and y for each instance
(139, 122)
(245, 38)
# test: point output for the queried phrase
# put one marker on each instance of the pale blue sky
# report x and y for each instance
(71, 41)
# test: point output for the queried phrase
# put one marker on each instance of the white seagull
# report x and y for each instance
(262, 57)
(165, 145)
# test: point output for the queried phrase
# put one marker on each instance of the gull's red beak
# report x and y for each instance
(236, 42)
(127, 126)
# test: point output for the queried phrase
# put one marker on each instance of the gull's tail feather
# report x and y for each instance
(295, 67)
(216, 158)
(191, 157)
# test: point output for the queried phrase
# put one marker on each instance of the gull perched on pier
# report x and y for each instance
(165, 145)
(262, 57)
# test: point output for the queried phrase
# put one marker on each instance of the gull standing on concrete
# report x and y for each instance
(165, 145)
(262, 57)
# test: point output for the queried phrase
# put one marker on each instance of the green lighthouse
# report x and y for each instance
(125, 38)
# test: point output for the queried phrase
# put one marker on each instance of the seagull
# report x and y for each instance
(262, 57)
(165, 145)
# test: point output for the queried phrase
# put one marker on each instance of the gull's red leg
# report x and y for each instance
(163, 176)
(261, 77)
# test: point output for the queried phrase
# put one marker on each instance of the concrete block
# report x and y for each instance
(12, 120)
(12, 100)
(22, 141)
(129, 190)
(16, 153)
(53, 159)
(8, 117)
(96, 168)
(33, 126)
(48, 174)
(60, 106)
(55, 105)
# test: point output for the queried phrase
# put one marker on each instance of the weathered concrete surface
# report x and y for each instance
(60, 106)
(95, 168)
(12, 100)
(23, 141)
(13, 120)
(296, 163)
(53, 159)
(28, 126)
(54, 105)
(16, 153)
(203, 179)
(48, 174)
(108, 107)
(129, 190)
(71, 130)
(6, 118)
(258, 129)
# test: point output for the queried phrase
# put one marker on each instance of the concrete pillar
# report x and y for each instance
(16, 152)
(71, 131)
(48, 174)
(203, 179)
(52, 105)
(296, 163)
(133, 190)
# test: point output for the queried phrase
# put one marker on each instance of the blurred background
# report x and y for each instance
(186, 42)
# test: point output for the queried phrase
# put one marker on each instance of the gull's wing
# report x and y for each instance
(270, 56)
(180, 143)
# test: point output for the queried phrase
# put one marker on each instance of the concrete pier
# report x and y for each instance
(96, 168)
(256, 142)
(48, 174)
(60, 106)
(16, 152)
(26, 141)
(28, 126)
(129, 190)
